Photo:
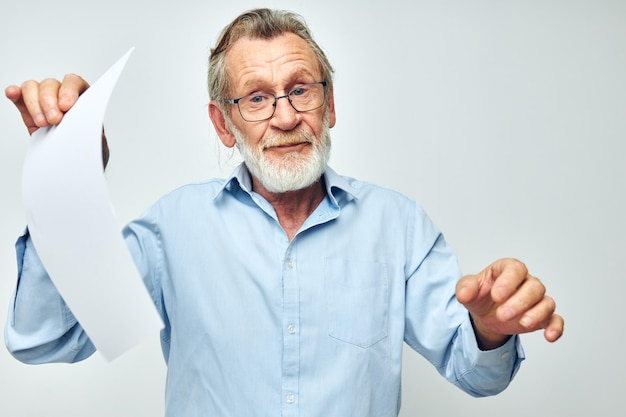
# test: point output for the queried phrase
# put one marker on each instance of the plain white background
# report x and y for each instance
(504, 119)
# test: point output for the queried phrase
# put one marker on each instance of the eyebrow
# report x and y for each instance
(259, 84)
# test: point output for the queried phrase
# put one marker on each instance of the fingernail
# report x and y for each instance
(526, 321)
(51, 114)
(552, 335)
(39, 119)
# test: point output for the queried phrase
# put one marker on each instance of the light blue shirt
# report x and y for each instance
(257, 325)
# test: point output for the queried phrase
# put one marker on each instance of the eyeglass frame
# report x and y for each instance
(236, 101)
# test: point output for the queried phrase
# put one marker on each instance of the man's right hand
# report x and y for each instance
(44, 103)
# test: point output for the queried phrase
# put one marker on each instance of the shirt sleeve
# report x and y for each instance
(40, 327)
(438, 327)
(486, 372)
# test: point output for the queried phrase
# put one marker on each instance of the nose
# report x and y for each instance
(285, 116)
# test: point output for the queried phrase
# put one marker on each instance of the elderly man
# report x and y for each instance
(287, 289)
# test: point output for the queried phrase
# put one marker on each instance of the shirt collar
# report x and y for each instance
(338, 188)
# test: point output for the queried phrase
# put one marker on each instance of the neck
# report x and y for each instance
(292, 207)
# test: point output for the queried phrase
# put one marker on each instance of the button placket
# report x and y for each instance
(291, 322)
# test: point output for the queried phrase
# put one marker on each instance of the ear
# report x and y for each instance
(331, 108)
(220, 125)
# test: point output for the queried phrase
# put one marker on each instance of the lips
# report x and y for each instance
(286, 145)
(288, 140)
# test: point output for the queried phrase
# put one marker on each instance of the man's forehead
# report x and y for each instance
(250, 58)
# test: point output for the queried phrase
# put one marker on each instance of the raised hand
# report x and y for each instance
(504, 299)
(44, 103)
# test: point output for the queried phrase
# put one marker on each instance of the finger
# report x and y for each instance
(554, 329)
(49, 100)
(40, 101)
(525, 298)
(71, 88)
(508, 275)
(467, 289)
(15, 94)
(29, 104)
(473, 291)
(539, 315)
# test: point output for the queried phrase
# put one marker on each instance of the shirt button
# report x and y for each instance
(291, 328)
(289, 263)
(291, 398)
(505, 356)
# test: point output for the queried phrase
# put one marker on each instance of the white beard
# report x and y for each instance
(291, 171)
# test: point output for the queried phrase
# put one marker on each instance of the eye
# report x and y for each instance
(299, 91)
(257, 99)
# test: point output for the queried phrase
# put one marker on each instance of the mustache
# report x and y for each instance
(290, 138)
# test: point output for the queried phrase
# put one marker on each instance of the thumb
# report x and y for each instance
(467, 289)
(474, 292)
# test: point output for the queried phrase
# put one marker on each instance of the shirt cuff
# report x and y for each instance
(509, 355)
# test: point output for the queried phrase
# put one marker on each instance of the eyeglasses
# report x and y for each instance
(261, 106)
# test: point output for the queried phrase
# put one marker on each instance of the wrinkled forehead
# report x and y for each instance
(271, 61)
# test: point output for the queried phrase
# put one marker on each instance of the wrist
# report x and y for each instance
(485, 338)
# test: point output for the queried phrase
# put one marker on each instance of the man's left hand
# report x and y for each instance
(503, 300)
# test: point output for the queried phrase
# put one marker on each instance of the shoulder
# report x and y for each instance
(191, 197)
(366, 193)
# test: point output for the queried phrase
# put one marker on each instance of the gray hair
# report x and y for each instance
(259, 24)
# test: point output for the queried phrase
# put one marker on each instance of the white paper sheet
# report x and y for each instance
(73, 227)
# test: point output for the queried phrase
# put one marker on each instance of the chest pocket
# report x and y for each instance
(357, 300)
